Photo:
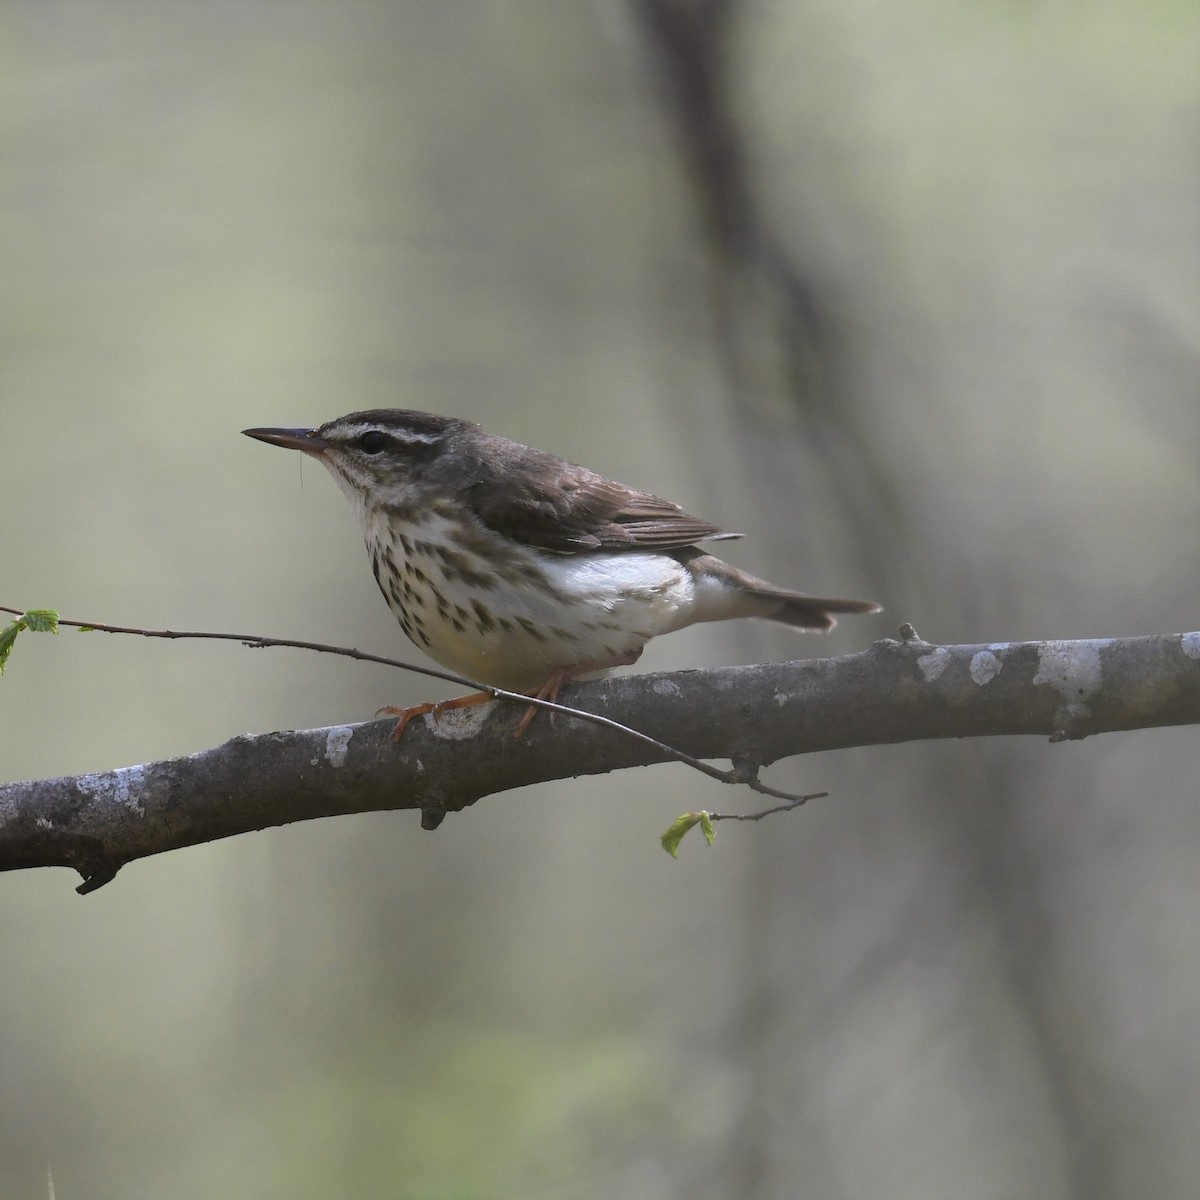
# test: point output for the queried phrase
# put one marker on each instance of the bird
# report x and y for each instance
(520, 570)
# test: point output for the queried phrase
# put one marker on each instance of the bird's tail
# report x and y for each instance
(809, 612)
(730, 592)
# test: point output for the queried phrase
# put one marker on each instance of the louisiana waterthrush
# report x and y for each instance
(519, 569)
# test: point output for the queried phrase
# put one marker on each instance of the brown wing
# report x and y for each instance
(545, 501)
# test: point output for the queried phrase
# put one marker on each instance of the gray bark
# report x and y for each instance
(896, 691)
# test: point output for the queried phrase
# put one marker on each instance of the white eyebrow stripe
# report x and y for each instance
(410, 436)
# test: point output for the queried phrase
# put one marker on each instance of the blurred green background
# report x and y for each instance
(910, 293)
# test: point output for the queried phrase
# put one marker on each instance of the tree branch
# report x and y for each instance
(898, 690)
(49, 620)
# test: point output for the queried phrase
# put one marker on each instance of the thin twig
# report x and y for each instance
(255, 641)
(792, 802)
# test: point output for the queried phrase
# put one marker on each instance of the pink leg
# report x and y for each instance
(550, 689)
(419, 710)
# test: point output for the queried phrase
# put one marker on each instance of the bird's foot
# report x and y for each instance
(550, 689)
(437, 708)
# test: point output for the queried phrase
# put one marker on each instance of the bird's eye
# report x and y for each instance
(373, 442)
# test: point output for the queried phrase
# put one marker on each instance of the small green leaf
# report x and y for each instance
(674, 835)
(8, 635)
(41, 620)
(706, 828)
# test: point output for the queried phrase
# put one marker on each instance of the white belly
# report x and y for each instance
(542, 613)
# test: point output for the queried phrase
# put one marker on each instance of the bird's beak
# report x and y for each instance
(291, 439)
